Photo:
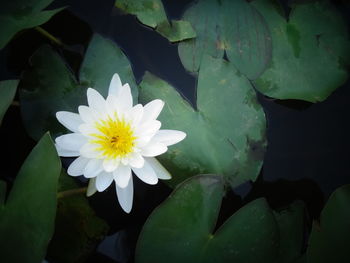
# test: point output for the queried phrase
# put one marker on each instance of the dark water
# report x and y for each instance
(307, 157)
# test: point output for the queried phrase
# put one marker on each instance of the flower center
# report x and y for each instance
(115, 138)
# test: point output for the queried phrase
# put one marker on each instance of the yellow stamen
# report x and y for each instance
(116, 138)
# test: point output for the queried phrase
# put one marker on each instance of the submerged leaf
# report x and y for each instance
(232, 26)
(49, 85)
(27, 219)
(77, 230)
(226, 135)
(7, 93)
(309, 51)
(330, 239)
(22, 14)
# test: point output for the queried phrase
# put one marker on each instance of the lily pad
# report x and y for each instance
(7, 93)
(330, 239)
(225, 135)
(232, 26)
(309, 51)
(28, 216)
(77, 230)
(151, 13)
(50, 86)
(22, 14)
(181, 229)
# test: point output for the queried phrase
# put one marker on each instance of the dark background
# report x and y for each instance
(308, 144)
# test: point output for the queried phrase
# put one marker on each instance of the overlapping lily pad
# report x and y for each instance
(22, 14)
(232, 26)
(77, 229)
(309, 51)
(7, 93)
(330, 239)
(50, 86)
(182, 229)
(152, 14)
(27, 217)
(226, 135)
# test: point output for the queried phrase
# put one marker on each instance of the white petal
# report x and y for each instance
(115, 85)
(122, 175)
(146, 174)
(148, 128)
(95, 100)
(93, 168)
(112, 105)
(71, 141)
(152, 110)
(153, 149)
(125, 98)
(169, 137)
(86, 114)
(135, 114)
(88, 150)
(109, 165)
(125, 196)
(136, 160)
(91, 187)
(66, 153)
(103, 180)
(69, 120)
(159, 169)
(88, 130)
(76, 168)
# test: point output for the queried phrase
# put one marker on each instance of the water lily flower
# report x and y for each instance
(112, 138)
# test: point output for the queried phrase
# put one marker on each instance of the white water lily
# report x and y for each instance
(112, 138)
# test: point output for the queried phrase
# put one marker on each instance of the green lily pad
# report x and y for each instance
(50, 86)
(28, 216)
(225, 135)
(151, 13)
(77, 230)
(22, 14)
(330, 239)
(181, 229)
(309, 51)
(7, 93)
(232, 26)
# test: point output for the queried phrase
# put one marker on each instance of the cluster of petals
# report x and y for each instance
(111, 138)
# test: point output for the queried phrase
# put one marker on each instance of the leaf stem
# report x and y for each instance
(71, 192)
(49, 36)
(15, 103)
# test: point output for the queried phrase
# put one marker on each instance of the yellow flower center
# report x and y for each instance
(116, 138)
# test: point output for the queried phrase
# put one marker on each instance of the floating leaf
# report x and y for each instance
(181, 229)
(152, 14)
(309, 51)
(50, 86)
(330, 240)
(7, 93)
(22, 14)
(232, 26)
(27, 219)
(226, 135)
(78, 229)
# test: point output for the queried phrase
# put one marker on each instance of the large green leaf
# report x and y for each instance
(226, 135)
(7, 93)
(182, 228)
(50, 86)
(152, 14)
(16, 15)
(309, 51)
(77, 230)
(330, 240)
(233, 26)
(27, 218)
